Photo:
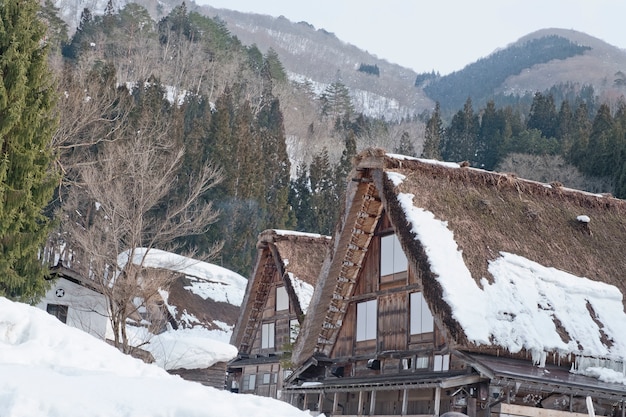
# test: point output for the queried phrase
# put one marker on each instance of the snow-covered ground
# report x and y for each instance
(50, 369)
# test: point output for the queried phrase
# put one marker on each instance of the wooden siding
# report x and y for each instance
(215, 376)
(393, 321)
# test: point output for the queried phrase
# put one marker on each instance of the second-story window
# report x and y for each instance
(421, 320)
(393, 262)
(282, 300)
(267, 335)
(366, 320)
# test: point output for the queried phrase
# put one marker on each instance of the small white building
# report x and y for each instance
(76, 303)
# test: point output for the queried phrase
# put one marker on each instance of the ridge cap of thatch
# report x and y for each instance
(378, 158)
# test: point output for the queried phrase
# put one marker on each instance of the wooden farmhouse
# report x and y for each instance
(277, 297)
(452, 289)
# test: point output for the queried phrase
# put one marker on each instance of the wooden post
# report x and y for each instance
(437, 401)
(304, 406)
(360, 403)
(373, 403)
(405, 401)
(335, 402)
(320, 402)
(623, 413)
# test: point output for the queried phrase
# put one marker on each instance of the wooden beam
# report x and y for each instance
(405, 401)
(373, 403)
(360, 409)
(335, 402)
(437, 401)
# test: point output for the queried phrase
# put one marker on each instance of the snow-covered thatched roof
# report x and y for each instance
(506, 265)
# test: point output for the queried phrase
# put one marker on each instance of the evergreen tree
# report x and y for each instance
(300, 199)
(461, 136)
(405, 147)
(433, 135)
(56, 33)
(493, 135)
(323, 202)
(602, 144)
(336, 101)
(26, 128)
(581, 128)
(543, 116)
(564, 132)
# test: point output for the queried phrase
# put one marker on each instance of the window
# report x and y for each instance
(421, 362)
(266, 378)
(294, 329)
(267, 335)
(442, 363)
(393, 262)
(57, 310)
(282, 300)
(366, 317)
(421, 317)
(249, 382)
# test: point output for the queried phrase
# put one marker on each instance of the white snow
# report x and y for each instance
(426, 161)
(188, 349)
(203, 275)
(303, 290)
(583, 218)
(519, 308)
(280, 232)
(50, 369)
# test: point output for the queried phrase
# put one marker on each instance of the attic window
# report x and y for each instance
(393, 262)
(282, 300)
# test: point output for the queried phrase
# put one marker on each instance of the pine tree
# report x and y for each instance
(27, 124)
(434, 132)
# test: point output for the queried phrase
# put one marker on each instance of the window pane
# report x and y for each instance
(392, 258)
(282, 300)
(421, 317)
(267, 336)
(400, 263)
(386, 255)
(58, 310)
(366, 319)
(428, 323)
(252, 382)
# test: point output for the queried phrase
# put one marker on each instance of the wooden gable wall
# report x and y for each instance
(393, 312)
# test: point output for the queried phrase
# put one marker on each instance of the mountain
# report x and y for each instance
(319, 56)
(536, 62)
(380, 88)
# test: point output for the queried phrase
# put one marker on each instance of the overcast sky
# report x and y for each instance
(442, 35)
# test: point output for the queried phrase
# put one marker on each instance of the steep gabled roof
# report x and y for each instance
(505, 264)
(297, 258)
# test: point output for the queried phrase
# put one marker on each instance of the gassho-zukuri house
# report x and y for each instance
(452, 289)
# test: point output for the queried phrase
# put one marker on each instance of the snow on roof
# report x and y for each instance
(426, 161)
(520, 307)
(281, 232)
(303, 290)
(55, 370)
(206, 274)
(189, 349)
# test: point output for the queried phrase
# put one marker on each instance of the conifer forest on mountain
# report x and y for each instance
(175, 135)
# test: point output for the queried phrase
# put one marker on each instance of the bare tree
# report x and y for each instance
(121, 204)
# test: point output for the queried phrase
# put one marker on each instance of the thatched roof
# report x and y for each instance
(498, 224)
(297, 258)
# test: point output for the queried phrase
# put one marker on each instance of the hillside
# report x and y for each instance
(318, 55)
(536, 62)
